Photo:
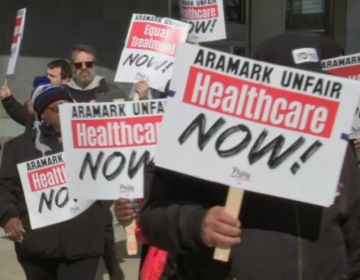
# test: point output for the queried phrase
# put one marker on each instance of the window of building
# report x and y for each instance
(307, 15)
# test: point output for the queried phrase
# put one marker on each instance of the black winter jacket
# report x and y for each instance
(81, 237)
(281, 239)
(18, 112)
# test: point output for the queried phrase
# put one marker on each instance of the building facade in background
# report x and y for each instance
(52, 27)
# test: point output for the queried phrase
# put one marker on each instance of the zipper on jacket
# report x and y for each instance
(299, 245)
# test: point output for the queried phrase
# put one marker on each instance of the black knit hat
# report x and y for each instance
(329, 48)
(45, 94)
(291, 50)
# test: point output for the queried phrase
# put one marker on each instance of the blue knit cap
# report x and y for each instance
(44, 94)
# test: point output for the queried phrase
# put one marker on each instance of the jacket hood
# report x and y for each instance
(95, 83)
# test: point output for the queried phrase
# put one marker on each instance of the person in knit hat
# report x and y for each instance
(65, 251)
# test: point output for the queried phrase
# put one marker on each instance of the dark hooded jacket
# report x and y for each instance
(81, 237)
(18, 112)
(99, 90)
(281, 239)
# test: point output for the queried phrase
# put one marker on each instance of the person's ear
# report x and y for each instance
(65, 81)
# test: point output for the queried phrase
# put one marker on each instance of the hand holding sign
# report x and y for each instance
(125, 210)
(142, 89)
(219, 227)
(5, 92)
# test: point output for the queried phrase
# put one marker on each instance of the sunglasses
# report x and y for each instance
(55, 108)
(79, 65)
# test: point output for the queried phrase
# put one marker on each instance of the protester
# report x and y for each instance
(280, 239)
(155, 264)
(329, 47)
(64, 251)
(59, 73)
(86, 86)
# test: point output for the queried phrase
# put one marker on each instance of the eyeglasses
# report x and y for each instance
(55, 109)
(79, 65)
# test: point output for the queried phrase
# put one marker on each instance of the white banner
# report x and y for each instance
(347, 67)
(150, 50)
(46, 192)
(16, 41)
(107, 146)
(264, 128)
(206, 19)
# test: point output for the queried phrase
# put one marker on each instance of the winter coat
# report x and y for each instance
(281, 239)
(81, 237)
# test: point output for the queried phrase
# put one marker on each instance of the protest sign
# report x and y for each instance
(16, 41)
(46, 192)
(260, 127)
(206, 19)
(107, 146)
(150, 50)
(347, 67)
(343, 66)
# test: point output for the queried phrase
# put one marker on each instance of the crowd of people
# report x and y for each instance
(179, 222)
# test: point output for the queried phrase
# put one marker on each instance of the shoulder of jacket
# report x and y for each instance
(116, 91)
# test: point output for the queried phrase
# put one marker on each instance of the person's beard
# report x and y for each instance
(85, 80)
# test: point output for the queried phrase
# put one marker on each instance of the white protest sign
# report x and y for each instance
(206, 19)
(260, 127)
(46, 192)
(107, 146)
(16, 41)
(150, 50)
(347, 67)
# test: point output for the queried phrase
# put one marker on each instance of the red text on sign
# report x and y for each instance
(17, 30)
(260, 103)
(351, 72)
(155, 37)
(47, 178)
(200, 13)
(110, 133)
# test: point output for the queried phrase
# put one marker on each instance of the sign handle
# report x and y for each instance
(232, 206)
(131, 243)
(197, 43)
(5, 82)
(136, 97)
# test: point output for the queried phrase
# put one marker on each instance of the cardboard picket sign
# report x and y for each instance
(46, 193)
(107, 146)
(16, 41)
(347, 67)
(150, 50)
(206, 19)
(256, 126)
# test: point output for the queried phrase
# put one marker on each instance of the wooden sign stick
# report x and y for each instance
(131, 242)
(232, 206)
(136, 97)
(5, 82)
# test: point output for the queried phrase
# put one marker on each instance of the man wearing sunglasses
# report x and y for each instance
(86, 86)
